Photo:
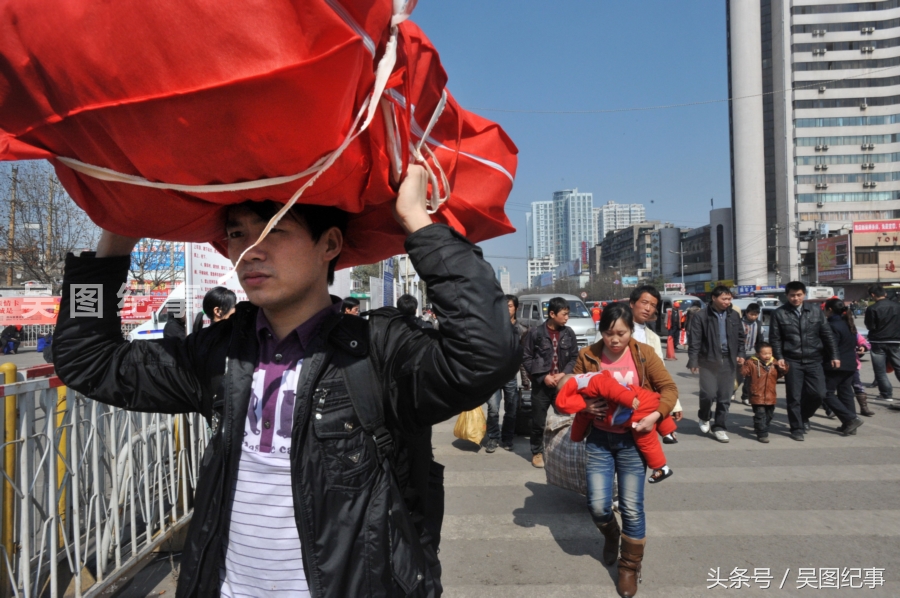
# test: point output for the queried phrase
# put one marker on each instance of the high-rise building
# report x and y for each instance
(574, 213)
(616, 216)
(815, 127)
(541, 225)
(503, 277)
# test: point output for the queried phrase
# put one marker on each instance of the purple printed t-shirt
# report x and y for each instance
(262, 553)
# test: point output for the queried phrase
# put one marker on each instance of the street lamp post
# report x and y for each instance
(681, 253)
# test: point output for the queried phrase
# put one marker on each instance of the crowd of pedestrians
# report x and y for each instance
(392, 374)
(813, 347)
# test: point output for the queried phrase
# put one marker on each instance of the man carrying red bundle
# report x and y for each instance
(318, 479)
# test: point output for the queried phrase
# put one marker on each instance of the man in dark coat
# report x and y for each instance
(320, 455)
(802, 340)
(716, 351)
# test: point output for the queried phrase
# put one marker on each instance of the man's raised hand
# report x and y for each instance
(411, 207)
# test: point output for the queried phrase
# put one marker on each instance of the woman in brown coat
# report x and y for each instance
(610, 452)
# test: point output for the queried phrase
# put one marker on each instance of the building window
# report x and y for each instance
(866, 255)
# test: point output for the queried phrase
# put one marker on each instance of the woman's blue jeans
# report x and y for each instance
(611, 454)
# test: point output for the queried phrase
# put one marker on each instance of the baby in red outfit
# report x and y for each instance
(627, 406)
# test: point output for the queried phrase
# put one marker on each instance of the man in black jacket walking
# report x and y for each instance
(551, 351)
(320, 421)
(497, 435)
(883, 322)
(802, 340)
(716, 350)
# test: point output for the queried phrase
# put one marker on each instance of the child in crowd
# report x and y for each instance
(627, 406)
(750, 322)
(762, 372)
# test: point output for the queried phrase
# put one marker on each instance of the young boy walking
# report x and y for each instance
(761, 373)
(749, 319)
(551, 350)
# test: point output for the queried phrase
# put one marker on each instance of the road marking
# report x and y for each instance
(522, 525)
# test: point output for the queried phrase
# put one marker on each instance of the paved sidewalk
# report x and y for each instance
(828, 502)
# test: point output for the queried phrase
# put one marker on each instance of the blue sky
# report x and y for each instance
(595, 55)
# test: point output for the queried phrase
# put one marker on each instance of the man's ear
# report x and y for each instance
(333, 242)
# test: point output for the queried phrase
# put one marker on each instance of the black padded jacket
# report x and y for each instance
(360, 525)
(807, 338)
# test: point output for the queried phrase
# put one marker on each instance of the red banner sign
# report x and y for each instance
(28, 311)
(877, 226)
(32, 311)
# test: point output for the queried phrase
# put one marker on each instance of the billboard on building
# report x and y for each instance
(876, 250)
(833, 258)
(629, 281)
(709, 286)
(545, 279)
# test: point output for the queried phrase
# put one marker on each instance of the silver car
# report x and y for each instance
(533, 312)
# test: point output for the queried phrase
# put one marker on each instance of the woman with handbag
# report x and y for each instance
(611, 451)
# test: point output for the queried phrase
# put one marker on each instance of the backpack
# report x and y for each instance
(366, 395)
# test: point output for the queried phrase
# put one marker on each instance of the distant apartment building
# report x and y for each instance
(540, 229)
(629, 250)
(697, 248)
(539, 266)
(563, 228)
(503, 277)
(615, 216)
(573, 212)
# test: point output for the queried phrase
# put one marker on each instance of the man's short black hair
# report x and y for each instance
(753, 308)
(349, 303)
(721, 290)
(637, 293)
(876, 290)
(556, 305)
(407, 305)
(514, 299)
(317, 219)
(794, 286)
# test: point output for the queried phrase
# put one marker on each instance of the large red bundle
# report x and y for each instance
(157, 115)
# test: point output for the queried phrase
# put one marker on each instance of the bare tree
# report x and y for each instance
(41, 224)
(156, 264)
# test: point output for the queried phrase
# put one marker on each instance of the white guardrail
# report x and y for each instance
(89, 491)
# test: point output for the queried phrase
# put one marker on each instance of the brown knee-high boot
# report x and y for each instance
(863, 405)
(630, 566)
(610, 531)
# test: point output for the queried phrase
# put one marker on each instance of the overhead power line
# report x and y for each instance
(684, 105)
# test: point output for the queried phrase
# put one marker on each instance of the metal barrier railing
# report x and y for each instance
(89, 491)
(32, 332)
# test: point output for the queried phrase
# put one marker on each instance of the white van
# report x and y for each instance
(682, 302)
(153, 328)
(533, 312)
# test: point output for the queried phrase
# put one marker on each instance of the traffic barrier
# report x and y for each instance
(89, 491)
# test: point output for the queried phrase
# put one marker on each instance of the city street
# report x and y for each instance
(829, 502)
